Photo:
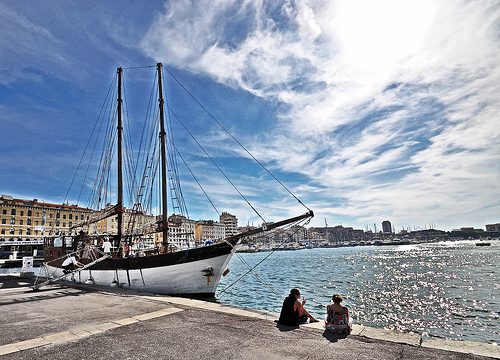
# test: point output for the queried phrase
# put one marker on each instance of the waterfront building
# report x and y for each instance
(32, 220)
(493, 227)
(209, 230)
(428, 234)
(296, 234)
(386, 227)
(181, 231)
(25, 220)
(337, 234)
(468, 230)
(261, 237)
(231, 223)
(243, 229)
(109, 225)
(24, 224)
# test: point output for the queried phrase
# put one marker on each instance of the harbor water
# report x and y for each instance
(444, 290)
(448, 290)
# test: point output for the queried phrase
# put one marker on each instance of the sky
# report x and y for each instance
(366, 110)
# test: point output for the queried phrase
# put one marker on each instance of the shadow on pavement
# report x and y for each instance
(286, 327)
(332, 337)
(14, 281)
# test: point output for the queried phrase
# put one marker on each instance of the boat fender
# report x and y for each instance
(208, 271)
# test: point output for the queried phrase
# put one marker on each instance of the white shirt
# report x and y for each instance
(106, 246)
(69, 260)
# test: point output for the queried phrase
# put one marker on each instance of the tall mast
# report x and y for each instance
(163, 159)
(119, 205)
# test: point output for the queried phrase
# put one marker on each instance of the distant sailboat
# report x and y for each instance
(189, 272)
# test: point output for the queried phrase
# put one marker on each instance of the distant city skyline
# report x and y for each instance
(365, 110)
(231, 221)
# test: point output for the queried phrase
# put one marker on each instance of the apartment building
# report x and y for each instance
(181, 232)
(231, 223)
(26, 220)
(209, 230)
(140, 222)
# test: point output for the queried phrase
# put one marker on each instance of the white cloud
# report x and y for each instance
(392, 105)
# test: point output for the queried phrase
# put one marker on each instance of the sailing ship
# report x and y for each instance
(191, 271)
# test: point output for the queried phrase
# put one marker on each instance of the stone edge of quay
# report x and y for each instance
(409, 338)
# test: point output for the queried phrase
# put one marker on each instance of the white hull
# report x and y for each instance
(180, 279)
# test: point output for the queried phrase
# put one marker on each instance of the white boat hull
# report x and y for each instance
(190, 278)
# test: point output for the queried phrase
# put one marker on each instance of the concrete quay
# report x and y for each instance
(76, 321)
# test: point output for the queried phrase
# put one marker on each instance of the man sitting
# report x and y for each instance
(70, 264)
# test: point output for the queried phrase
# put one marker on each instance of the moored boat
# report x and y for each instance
(483, 243)
(194, 271)
(12, 252)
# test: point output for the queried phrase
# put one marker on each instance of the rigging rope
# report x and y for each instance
(196, 179)
(110, 90)
(228, 133)
(149, 146)
(130, 164)
(176, 190)
(217, 166)
(146, 157)
(251, 269)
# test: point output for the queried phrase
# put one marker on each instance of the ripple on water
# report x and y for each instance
(447, 290)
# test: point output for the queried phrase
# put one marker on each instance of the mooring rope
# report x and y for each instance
(252, 269)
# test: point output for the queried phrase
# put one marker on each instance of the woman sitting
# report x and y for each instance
(293, 312)
(337, 316)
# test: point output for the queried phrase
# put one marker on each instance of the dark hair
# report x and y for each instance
(337, 298)
(294, 292)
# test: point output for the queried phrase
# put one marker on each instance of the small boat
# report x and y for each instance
(481, 243)
(247, 248)
(13, 252)
(192, 271)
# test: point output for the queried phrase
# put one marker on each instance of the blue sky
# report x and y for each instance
(367, 111)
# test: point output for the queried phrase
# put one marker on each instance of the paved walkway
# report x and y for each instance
(90, 322)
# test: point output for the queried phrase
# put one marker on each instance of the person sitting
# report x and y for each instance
(70, 264)
(337, 316)
(293, 312)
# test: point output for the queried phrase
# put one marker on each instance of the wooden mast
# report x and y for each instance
(163, 159)
(119, 204)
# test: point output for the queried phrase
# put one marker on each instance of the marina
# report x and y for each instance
(445, 290)
(324, 244)
(104, 322)
(162, 263)
(183, 179)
